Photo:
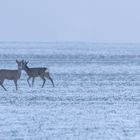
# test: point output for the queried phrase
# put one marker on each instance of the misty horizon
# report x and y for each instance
(70, 21)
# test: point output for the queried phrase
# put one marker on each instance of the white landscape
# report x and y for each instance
(96, 94)
(91, 49)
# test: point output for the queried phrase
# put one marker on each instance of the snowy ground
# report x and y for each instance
(96, 97)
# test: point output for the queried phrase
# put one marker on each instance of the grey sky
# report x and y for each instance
(70, 20)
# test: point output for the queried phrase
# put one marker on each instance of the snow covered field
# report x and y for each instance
(96, 94)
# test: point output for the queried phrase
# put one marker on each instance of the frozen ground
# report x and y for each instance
(97, 93)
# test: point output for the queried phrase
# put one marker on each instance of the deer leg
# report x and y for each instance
(33, 81)
(44, 80)
(3, 87)
(1, 83)
(15, 81)
(28, 81)
(48, 76)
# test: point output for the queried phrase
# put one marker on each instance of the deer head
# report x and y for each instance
(20, 64)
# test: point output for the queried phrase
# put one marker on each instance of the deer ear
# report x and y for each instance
(17, 61)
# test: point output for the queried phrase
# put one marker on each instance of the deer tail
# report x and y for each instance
(47, 70)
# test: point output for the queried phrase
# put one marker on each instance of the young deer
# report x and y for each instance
(37, 72)
(11, 74)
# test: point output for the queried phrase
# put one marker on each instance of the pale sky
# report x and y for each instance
(70, 20)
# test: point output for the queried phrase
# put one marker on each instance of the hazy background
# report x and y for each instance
(70, 20)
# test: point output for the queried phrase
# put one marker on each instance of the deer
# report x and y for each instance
(34, 72)
(6, 74)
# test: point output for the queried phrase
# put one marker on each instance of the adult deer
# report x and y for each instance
(41, 72)
(11, 74)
